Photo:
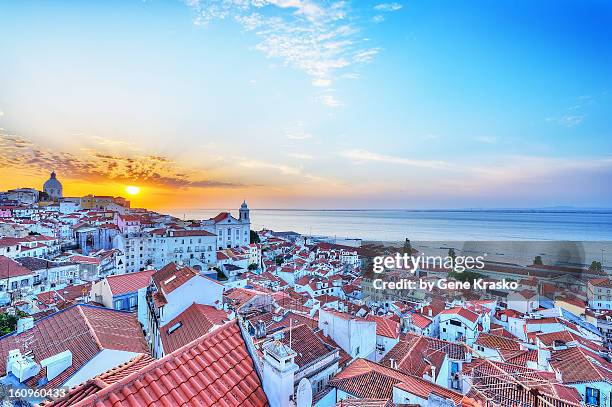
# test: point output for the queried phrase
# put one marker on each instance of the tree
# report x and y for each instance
(595, 266)
(253, 266)
(278, 260)
(538, 261)
(8, 323)
(452, 254)
(254, 237)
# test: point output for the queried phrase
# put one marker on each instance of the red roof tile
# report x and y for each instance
(84, 330)
(385, 327)
(10, 268)
(130, 282)
(463, 312)
(214, 370)
(196, 321)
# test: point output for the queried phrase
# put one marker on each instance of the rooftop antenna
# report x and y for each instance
(290, 331)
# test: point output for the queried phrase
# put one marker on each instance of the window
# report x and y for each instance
(592, 396)
(456, 323)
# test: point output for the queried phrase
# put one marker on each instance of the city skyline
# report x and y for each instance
(304, 104)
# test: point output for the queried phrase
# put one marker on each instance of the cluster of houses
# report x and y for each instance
(133, 308)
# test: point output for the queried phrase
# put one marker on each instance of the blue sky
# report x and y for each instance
(304, 103)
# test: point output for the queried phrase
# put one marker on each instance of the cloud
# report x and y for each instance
(568, 120)
(388, 7)
(486, 139)
(330, 101)
(1, 113)
(321, 82)
(366, 55)
(301, 156)
(18, 152)
(317, 37)
(299, 136)
(284, 169)
(361, 156)
(378, 18)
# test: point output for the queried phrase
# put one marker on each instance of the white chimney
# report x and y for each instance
(278, 373)
(21, 366)
(56, 364)
(433, 373)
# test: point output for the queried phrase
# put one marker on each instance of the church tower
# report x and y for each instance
(244, 213)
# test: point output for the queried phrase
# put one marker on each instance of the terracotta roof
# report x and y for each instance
(308, 346)
(365, 379)
(130, 282)
(172, 276)
(385, 326)
(420, 321)
(497, 342)
(414, 355)
(578, 365)
(82, 329)
(601, 282)
(99, 382)
(195, 321)
(220, 217)
(10, 268)
(500, 381)
(463, 312)
(213, 370)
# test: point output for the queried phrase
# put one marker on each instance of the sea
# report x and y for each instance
(511, 236)
(431, 225)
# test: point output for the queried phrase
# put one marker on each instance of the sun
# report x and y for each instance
(132, 190)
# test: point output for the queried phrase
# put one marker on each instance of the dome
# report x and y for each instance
(53, 187)
(244, 205)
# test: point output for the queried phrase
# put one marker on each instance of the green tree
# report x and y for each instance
(253, 266)
(254, 237)
(452, 254)
(538, 261)
(595, 266)
(8, 323)
(278, 260)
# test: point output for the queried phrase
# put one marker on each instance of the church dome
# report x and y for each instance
(244, 205)
(53, 187)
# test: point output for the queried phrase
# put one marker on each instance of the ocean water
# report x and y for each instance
(432, 225)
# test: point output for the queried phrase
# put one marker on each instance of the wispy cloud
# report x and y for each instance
(299, 136)
(94, 166)
(387, 7)
(362, 156)
(330, 100)
(568, 120)
(318, 37)
(301, 156)
(486, 139)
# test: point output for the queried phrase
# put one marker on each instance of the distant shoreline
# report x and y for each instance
(468, 210)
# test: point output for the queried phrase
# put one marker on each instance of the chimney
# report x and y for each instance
(433, 373)
(559, 376)
(56, 364)
(21, 366)
(278, 373)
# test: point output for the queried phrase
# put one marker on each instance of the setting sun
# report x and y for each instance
(132, 190)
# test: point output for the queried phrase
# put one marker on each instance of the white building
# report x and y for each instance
(231, 232)
(357, 336)
(173, 290)
(458, 324)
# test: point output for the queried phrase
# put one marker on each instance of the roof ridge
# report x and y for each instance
(92, 331)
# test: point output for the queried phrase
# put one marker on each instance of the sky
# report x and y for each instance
(310, 104)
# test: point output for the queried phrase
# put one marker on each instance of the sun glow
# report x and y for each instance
(132, 190)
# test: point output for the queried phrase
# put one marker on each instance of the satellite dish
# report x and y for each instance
(304, 393)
